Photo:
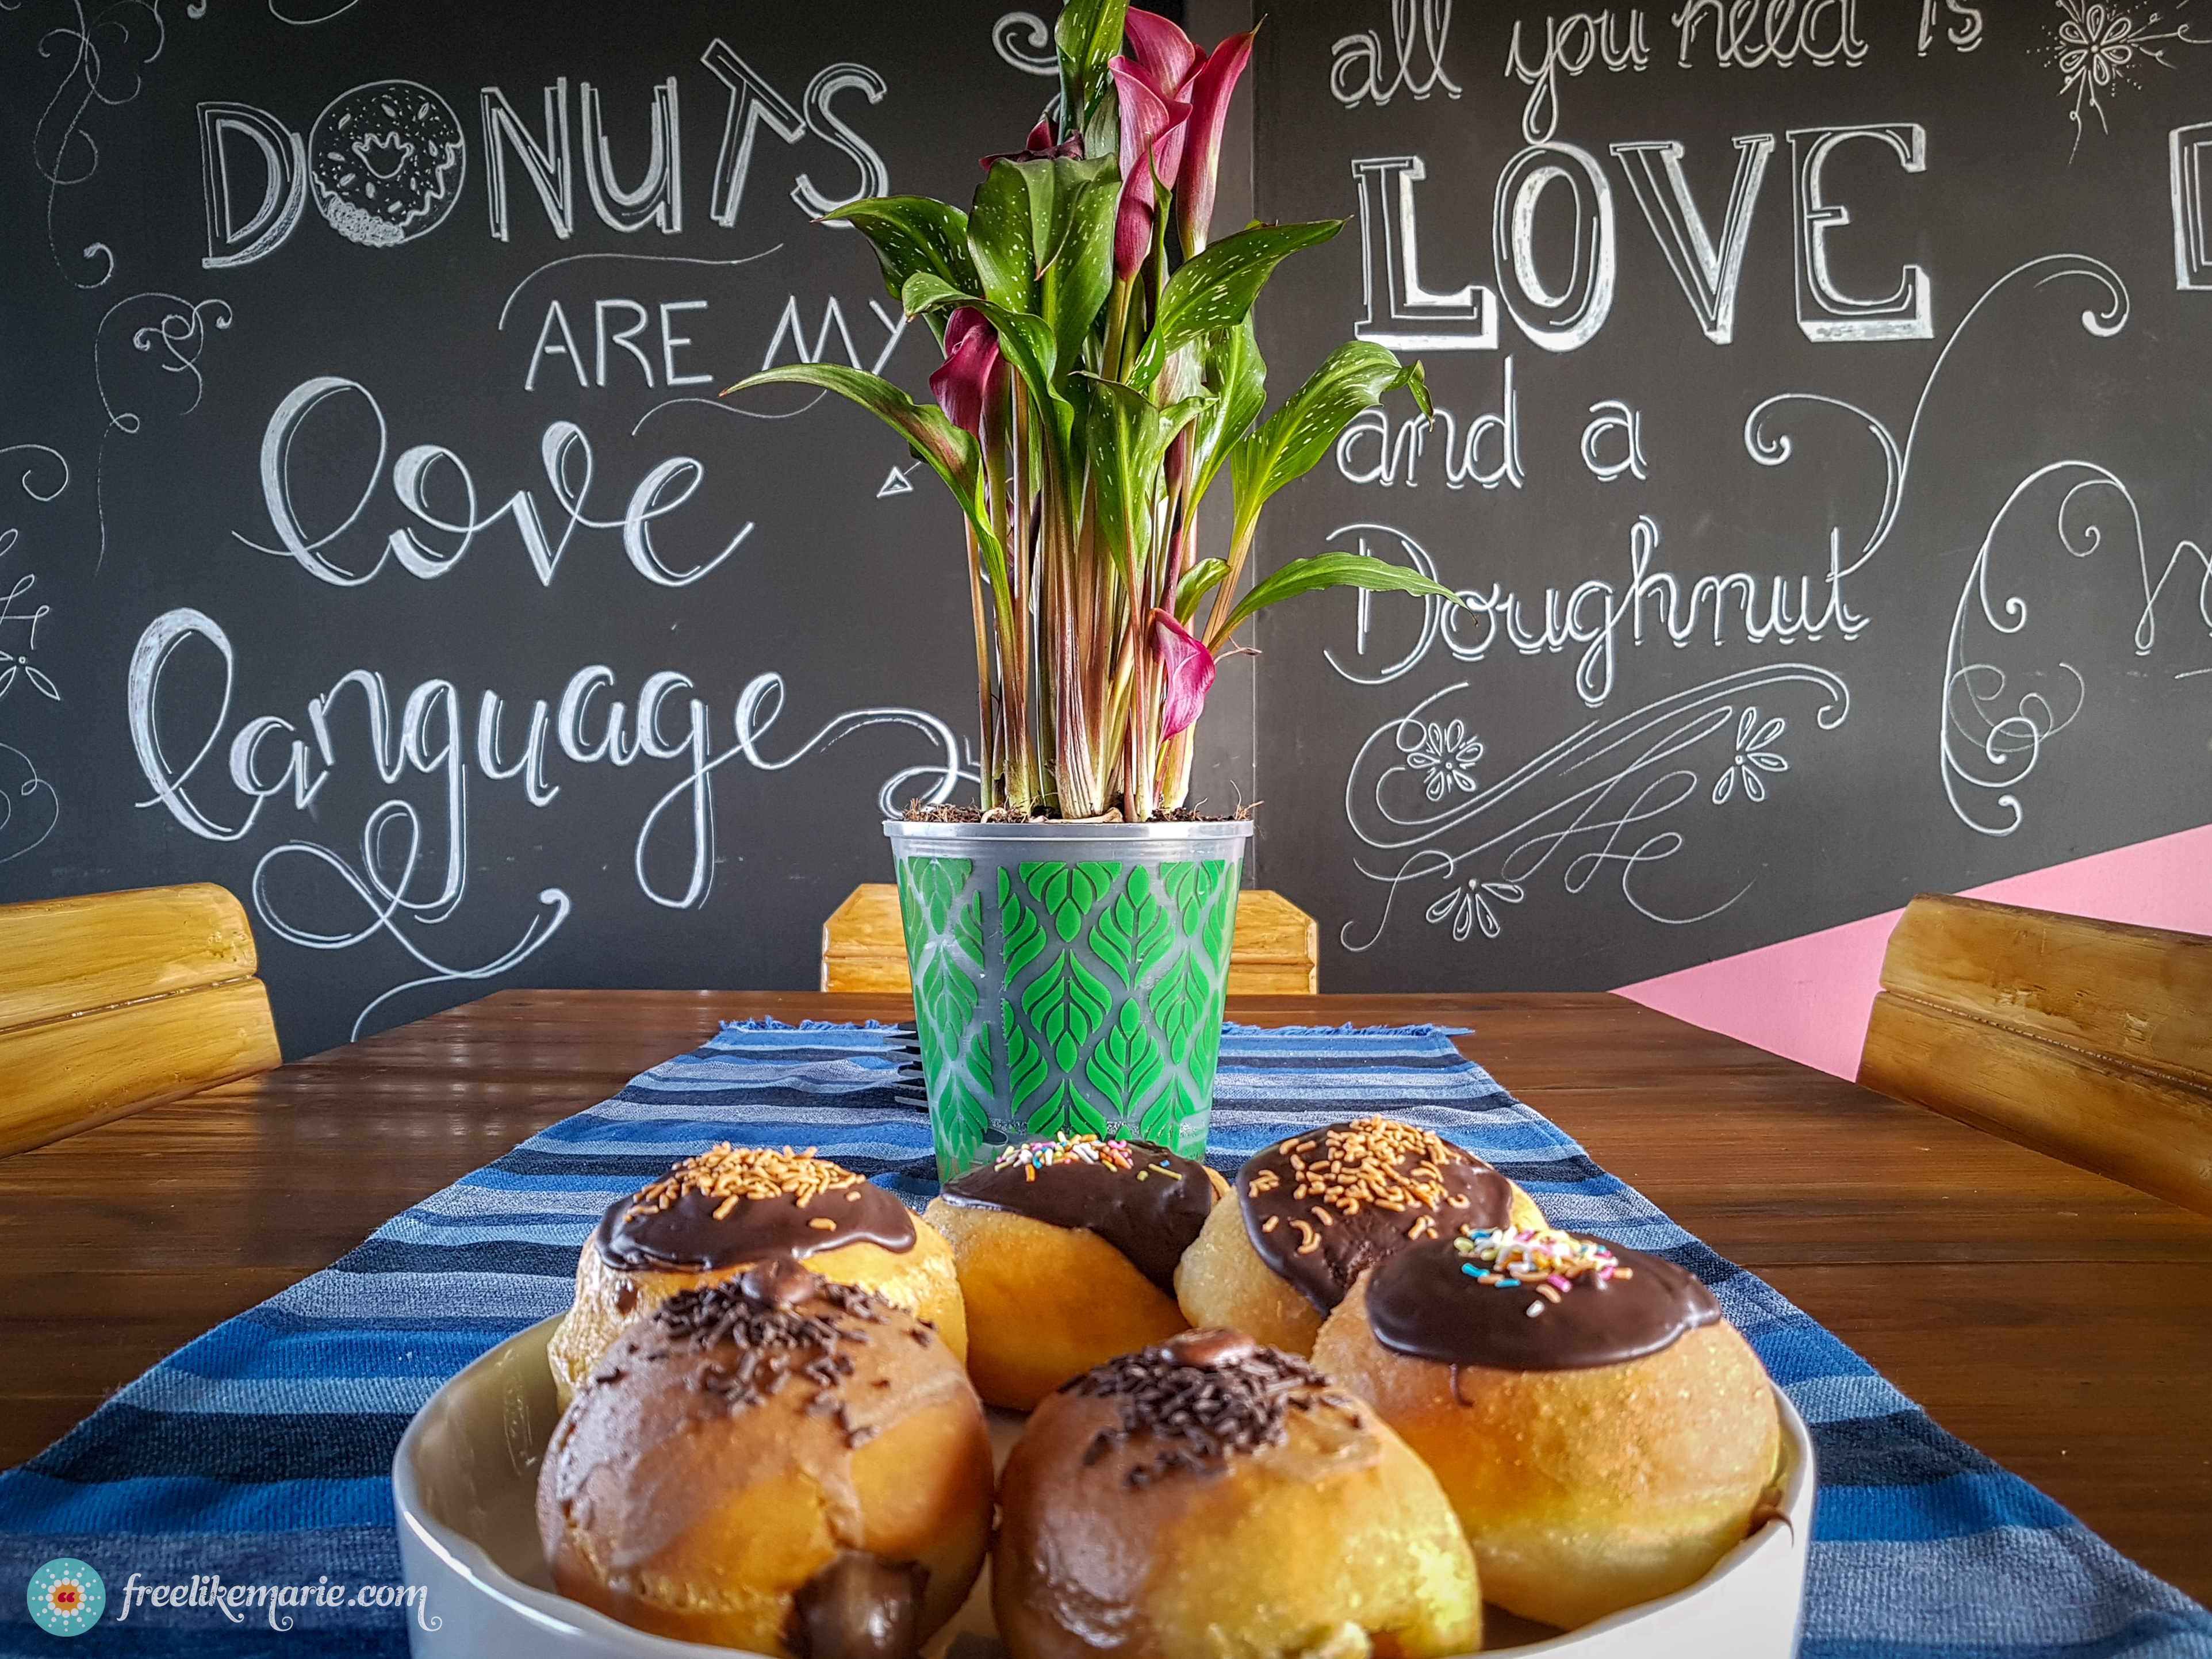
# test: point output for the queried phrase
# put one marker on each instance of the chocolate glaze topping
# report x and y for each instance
(1424, 1302)
(858, 1606)
(744, 1204)
(1322, 1208)
(1143, 1200)
(747, 1339)
(1203, 1397)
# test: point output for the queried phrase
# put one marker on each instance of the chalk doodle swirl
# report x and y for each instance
(1992, 736)
(1589, 806)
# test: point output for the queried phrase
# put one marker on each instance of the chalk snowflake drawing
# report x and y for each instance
(2096, 46)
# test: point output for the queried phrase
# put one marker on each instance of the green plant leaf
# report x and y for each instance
(1068, 890)
(1232, 370)
(914, 234)
(1215, 292)
(1287, 445)
(1027, 344)
(1077, 274)
(1024, 933)
(950, 452)
(1201, 580)
(1128, 438)
(1000, 240)
(1331, 570)
(926, 291)
(1126, 1065)
(1065, 1003)
(1088, 34)
(1025, 1065)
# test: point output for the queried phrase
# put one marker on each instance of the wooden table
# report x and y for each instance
(2059, 1322)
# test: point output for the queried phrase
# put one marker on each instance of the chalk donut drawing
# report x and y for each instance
(387, 162)
(29, 808)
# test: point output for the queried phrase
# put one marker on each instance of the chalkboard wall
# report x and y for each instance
(1822, 427)
(1823, 398)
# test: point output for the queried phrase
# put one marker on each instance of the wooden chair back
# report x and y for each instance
(1275, 951)
(2087, 1040)
(119, 1001)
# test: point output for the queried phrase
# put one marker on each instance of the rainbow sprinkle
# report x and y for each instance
(1065, 1149)
(1544, 1259)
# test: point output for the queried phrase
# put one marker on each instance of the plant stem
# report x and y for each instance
(985, 750)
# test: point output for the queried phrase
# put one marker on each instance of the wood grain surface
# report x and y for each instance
(2060, 1321)
(1275, 950)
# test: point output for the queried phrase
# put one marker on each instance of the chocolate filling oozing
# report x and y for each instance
(1143, 1200)
(732, 1205)
(1518, 1301)
(1203, 1397)
(1322, 1208)
(858, 1606)
(748, 1339)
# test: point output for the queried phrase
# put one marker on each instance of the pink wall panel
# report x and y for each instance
(1807, 998)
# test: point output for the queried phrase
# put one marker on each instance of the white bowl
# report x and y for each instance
(464, 1481)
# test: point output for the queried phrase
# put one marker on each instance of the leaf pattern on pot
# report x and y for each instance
(1126, 1065)
(937, 883)
(1068, 890)
(1178, 1001)
(1133, 932)
(1026, 1064)
(1067, 1112)
(967, 930)
(1216, 931)
(1166, 1118)
(1190, 886)
(1067, 1003)
(1024, 935)
(950, 998)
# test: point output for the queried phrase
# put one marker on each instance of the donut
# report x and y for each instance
(1067, 1251)
(1318, 1210)
(711, 1217)
(1210, 1496)
(778, 1462)
(1605, 1436)
(386, 162)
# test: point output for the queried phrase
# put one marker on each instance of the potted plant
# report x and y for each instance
(1069, 947)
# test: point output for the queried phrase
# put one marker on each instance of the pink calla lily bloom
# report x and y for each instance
(1187, 676)
(1151, 144)
(1179, 73)
(1041, 148)
(973, 376)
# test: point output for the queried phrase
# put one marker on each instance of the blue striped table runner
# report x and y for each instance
(261, 1453)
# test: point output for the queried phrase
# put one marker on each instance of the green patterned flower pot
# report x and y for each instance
(1067, 977)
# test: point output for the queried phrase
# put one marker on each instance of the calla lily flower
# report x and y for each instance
(973, 376)
(1041, 148)
(1187, 674)
(1208, 92)
(1178, 72)
(1151, 144)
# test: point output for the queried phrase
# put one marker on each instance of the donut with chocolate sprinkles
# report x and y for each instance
(779, 1462)
(1207, 1485)
(726, 1209)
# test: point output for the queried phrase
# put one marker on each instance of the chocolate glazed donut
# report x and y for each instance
(1067, 1250)
(729, 1208)
(1322, 1209)
(1318, 1210)
(1604, 1434)
(1144, 1200)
